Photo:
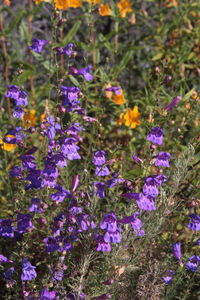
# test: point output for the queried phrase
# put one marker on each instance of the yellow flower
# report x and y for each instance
(104, 10)
(7, 146)
(124, 7)
(94, 1)
(119, 99)
(132, 117)
(39, 1)
(61, 4)
(29, 119)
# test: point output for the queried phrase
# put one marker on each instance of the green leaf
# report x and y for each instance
(158, 56)
(23, 29)
(188, 95)
(74, 81)
(122, 65)
(12, 25)
(23, 77)
(71, 33)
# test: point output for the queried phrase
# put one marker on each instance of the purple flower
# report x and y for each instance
(156, 136)
(112, 237)
(28, 162)
(176, 250)
(136, 158)
(162, 159)
(46, 295)
(167, 79)
(99, 158)
(18, 112)
(114, 181)
(193, 263)
(83, 71)
(197, 242)
(168, 276)
(66, 50)
(135, 222)
(34, 176)
(194, 223)
(6, 230)
(103, 297)
(50, 170)
(66, 245)
(22, 99)
(61, 194)
(69, 148)
(28, 271)
(5, 259)
(150, 187)
(24, 222)
(37, 45)
(16, 171)
(12, 92)
(174, 102)
(59, 160)
(109, 222)
(75, 182)
(146, 202)
(35, 205)
(102, 245)
(114, 89)
(58, 274)
(8, 274)
(131, 196)
(84, 222)
(102, 171)
(159, 179)
(100, 186)
(51, 244)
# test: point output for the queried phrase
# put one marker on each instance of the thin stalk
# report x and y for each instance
(30, 31)
(5, 66)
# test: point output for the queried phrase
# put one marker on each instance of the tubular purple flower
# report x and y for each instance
(168, 276)
(109, 222)
(193, 263)
(46, 295)
(162, 159)
(176, 250)
(194, 223)
(37, 45)
(99, 158)
(150, 187)
(28, 271)
(4, 259)
(102, 171)
(24, 222)
(156, 136)
(146, 202)
(6, 229)
(18, 112)
(12, 92)
(174, 102)
(102, 245)
(75, 182)
(66, 50)
(136, 158)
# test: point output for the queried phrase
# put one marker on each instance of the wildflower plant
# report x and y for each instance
(92, 206)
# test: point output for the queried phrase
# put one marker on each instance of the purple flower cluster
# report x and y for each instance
(20, 98)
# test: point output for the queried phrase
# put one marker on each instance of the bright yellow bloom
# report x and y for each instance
(104, 10)
(132, 117)
(61, 4)
(119, 99)
(7, 146)
(29, 119)
(7, 2)
(94, 1)
(124, 7)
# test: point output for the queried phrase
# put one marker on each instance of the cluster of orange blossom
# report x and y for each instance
(124, 6)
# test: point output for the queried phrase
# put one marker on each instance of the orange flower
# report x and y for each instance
(61, 4)
(132, 117)
(119, 99)
(104, 10)
(94, 1)
(29, 119)
(124, 7)
(7, 146)
(7, 2)
(74, 3)
(195, 96)
(171, 3)
(120, 121)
